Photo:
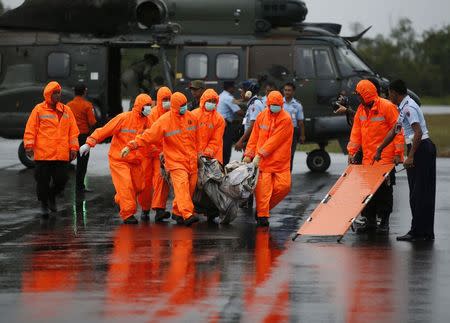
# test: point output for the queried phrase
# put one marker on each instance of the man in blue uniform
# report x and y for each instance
(229, 110)
(420, 163)
(295, 110)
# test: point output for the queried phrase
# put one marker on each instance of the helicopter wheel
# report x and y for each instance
(24, 159)
(318, 161)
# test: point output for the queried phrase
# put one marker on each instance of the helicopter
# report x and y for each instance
(227, 40)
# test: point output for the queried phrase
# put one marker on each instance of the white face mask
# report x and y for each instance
(146, 110)
(166, 105)
(210, 106)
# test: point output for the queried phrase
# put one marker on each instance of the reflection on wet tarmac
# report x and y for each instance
(82, 265)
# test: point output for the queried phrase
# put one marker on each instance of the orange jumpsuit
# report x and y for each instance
(126, 172)
(179, 136)
(160, 186)
(83, 110)
(211, 127)
(370, 127)
(52, 134)
(271, 139)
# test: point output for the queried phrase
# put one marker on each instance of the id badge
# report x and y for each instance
(244, 121)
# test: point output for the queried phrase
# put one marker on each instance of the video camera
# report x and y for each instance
(341, 100)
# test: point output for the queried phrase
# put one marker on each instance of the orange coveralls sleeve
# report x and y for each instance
(355, 136)
(31, 129)
(108, 130)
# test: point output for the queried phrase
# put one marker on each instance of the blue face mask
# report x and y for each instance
(275, 108)
(146, 110)
(210, 106)
(183, 109)
(166, 105)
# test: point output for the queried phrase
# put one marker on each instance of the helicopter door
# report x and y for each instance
(316, 77)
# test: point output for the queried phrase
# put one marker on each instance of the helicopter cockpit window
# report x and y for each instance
(227, 66)
(196, 66)
(58, 65)
(349, 63)
(324, 68)
(305, 64)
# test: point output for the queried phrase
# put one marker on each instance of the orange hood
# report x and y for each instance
(177, 100)
(367, 90)
(163, 93)
(141, 101)
(209, 94)
(49, 89)
(275, 98)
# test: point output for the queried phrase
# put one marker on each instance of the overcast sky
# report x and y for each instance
(381, 14)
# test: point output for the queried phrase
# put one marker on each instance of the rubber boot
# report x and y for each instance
(161, 215)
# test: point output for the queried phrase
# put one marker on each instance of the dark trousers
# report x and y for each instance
(51, 178)
(381, 204)
(82, 163)
(294, 145)
(229, 136)
(422, 189)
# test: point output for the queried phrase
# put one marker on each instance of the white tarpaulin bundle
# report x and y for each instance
(226, 188)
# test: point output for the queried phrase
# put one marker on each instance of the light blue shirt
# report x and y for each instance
(411, 113)
(226, 107)
(264, 100)
(253, 110)
(295, 110)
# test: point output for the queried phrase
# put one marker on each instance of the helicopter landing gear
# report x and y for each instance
(318, 160)
(24, 159)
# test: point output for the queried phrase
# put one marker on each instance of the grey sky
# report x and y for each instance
(381, 14)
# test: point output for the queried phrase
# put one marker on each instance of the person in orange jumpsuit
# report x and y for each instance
(211, 126)
(126, 173)
(83, 110)
(158, 200)
(177, 130)
(270, 148)
(51, 135)
(373, 120)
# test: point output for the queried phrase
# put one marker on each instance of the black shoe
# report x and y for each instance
(130, 220)
(178, 219)
(366, 227)
(407, 237)
(383, 228)
(44, 212)
(145, 216)
(52, 203)
(428, 237)
(161, 215)
(190, 221)
(262, 222)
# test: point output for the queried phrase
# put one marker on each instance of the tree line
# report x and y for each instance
(423, 61)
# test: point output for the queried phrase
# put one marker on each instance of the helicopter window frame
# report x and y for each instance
(220, 77)
(186, 65)
(67, 70)
(333, 74)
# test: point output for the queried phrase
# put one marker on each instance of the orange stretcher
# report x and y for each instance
(346, 199)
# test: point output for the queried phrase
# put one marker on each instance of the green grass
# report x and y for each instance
(439, 128)
(438, 125)
(333, 147)
(430, 100)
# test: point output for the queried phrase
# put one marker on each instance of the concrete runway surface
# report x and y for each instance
(83, 266)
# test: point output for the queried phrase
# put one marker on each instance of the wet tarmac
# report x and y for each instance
(83, 266)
